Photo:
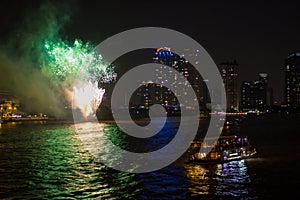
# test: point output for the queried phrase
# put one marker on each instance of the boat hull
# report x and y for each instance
(221, 161)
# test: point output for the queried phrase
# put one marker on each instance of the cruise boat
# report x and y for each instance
(227, 148)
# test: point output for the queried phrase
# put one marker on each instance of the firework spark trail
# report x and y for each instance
(88, 98)
(39, 67)
(68, 63)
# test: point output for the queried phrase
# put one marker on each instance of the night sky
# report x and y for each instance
(258, 34)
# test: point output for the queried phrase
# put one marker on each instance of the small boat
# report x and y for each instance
(227, 148)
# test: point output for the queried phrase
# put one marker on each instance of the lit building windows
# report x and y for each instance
(229, 75)
(292, 80)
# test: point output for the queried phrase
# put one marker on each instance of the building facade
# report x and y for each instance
(8, 103)
(153, 92)
(229, 75)
(292, 80)
(256, 94)
(246, 95)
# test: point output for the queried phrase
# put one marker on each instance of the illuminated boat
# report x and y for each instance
(227, 148)
(9, 117)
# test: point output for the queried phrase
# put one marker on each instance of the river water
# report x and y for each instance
(47, 160)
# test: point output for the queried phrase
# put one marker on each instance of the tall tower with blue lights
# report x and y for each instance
(153, 92)
(166, 57)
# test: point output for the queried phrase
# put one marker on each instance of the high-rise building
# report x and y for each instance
(165, 57)
(153, 91)
(229, 75)
(256, 94)
(292, 80)
(246, 95)
(259, 94)
(263, 77)
(268, 93)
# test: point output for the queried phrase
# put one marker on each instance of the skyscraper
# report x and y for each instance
(292, 80)
(256, 94)
(246, 95)
(259, 94)
(268, 91)
(153, 92)
(263, 77)
(229, 75)
(166, 57)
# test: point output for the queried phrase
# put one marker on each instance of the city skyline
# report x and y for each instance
(149, 99)
(259, 35)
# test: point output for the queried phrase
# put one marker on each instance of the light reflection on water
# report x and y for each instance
(48, 160)
(232, 179)
(229, 179)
